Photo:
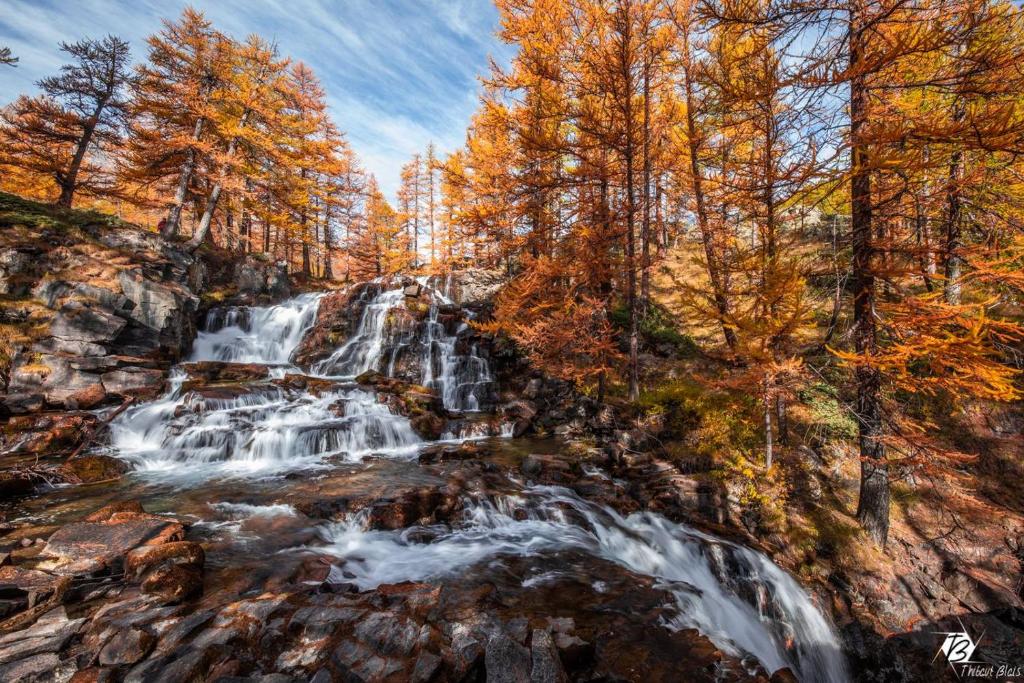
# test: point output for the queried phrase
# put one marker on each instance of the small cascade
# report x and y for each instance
(256, 334)
(264, 430)
(735, 596)
(463, 381)
(364, 350)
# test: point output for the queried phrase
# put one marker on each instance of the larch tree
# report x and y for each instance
(79, 117)
(173, 110)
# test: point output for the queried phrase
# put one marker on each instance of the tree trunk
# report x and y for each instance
(718, 281)
(69, 180)
(873, 503)
(954, 239)
(211, 203)
(174, 215)
(767, 402)
(629, 154)
(328, 267)
(645, 229)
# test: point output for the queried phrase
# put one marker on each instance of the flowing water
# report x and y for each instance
(241, 460)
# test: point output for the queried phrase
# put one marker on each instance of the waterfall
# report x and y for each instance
(462, 381)
(366, 347)
(256, 334)
(733, 595)
(261, 429)
(264, 430)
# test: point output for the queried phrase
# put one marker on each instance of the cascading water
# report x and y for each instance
(461, 380)
(364, 350)
(259, 429)
(262, 431)
(735, 596)
(256, 334)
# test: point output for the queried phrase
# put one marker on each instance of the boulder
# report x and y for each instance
(133, 382)
(506, 661)
(55, 377)
(216, 371)
(89, 469)
(87, 547)
(78, 321)
(46, 434)
(13, 262)
(255, 276)
(333, 325)
(166, 308)
(521, 413)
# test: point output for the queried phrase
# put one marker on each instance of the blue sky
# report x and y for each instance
(398, 73)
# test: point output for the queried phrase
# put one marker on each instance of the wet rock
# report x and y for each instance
(506, 661)
(49, 634)
(93, 674)
(216, 371)
(89, 469)
(16, 483)
(22, 588)
(142, 560)
(127, 647)
(108, 511)
(521, 413)
(31, 668)
(86, 547)
(416, 506)
(46, 434)
(425, 668)
(132, 382)
(313, 385)
(413, 290)
(784, 675)
(173, 583)
(545, 664)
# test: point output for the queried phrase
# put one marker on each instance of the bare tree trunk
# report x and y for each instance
(718, 283)
(873, 503)
(645, 230)
(69, 180)
(211, 202)
(954, 218)
(174, 215)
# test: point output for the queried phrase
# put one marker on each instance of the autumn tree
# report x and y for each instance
(173, 111)
(62, 133)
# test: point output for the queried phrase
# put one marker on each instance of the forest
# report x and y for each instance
(759, 264)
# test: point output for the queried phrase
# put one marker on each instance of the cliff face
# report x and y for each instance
(94, 309)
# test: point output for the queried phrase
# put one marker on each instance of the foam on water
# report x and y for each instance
(735, 596)
(256, 334)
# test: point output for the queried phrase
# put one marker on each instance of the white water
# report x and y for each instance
(363, 351)
(262, 430)
(735, 596)
(256, 334)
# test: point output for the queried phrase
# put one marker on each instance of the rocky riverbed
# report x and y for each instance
(357, 485)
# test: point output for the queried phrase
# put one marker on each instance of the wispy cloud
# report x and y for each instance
(398, 73)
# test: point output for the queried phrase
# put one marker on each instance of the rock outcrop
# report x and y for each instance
(123, 308)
